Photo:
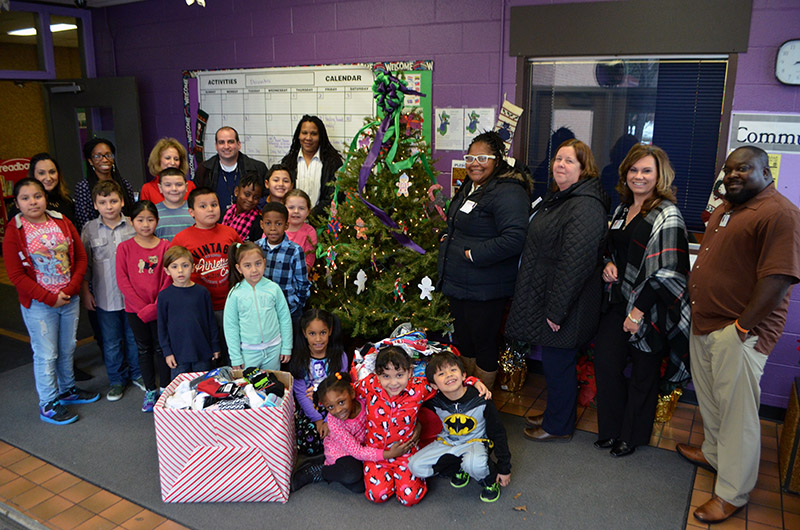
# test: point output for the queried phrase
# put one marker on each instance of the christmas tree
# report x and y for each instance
(376, 258)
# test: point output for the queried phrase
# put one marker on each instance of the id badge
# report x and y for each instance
(467, 206)
(725, 218)
(616, 225)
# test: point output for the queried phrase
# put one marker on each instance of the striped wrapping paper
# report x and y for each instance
(225, 456)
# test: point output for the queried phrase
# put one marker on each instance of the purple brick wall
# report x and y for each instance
(773, 22)
(467, 40)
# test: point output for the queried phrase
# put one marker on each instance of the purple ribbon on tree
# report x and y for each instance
(390, 92)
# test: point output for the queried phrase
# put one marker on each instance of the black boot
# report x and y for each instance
(307, 473)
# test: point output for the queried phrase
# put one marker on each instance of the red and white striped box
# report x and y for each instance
(225, 455)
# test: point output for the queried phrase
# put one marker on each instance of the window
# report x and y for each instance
(612, 103)
(39, 42)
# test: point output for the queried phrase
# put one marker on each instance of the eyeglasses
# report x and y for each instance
(482, 159)
(99, 156)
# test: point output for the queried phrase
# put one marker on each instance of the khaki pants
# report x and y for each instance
(726, 373)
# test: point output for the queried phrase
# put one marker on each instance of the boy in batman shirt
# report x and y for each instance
(471, 428)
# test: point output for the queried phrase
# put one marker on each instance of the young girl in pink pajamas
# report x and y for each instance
(345, 450)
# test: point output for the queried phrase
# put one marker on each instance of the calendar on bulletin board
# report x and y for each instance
(264, 105)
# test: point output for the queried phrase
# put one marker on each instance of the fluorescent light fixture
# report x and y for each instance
(29, 32)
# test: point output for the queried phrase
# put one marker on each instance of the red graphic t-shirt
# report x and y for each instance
(209, 250)
(49, 251)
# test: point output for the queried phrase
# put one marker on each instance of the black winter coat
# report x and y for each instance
(493, 231)
(207, 173)
(560, 274)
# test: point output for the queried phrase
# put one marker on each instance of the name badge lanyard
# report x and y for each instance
(227, 184)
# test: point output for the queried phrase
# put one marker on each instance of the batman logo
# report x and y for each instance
(459, 424)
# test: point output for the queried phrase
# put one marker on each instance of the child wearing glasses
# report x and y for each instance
(486, 225)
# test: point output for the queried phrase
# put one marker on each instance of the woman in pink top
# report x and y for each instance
(345, 450)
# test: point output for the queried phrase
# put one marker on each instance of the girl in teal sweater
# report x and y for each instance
(258, 325)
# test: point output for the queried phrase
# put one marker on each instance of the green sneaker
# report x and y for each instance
(490, 493)
(139, 383)
(460, 479)
(115, 392)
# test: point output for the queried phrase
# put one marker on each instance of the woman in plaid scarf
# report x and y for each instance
(648, 313)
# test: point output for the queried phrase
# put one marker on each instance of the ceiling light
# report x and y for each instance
(29, 32)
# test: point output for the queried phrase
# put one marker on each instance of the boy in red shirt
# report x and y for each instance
(208, 241)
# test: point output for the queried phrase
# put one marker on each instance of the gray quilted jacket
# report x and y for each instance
(560, 271)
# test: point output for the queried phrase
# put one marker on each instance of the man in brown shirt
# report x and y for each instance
(740, 285)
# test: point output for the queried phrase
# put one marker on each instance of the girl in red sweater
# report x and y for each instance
(46, 262)
(140, 277)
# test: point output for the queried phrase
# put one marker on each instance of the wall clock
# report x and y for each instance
(787, 63)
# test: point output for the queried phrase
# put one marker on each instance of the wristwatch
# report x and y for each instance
(634, 320)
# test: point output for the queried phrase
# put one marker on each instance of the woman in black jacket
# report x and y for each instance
(313, 161)
(478, 255)
(558, 294)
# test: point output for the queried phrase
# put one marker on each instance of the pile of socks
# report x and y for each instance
(219, 389)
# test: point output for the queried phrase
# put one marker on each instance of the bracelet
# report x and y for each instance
(634, 320)
(739, 327)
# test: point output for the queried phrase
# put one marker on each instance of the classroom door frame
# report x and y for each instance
(64, 99)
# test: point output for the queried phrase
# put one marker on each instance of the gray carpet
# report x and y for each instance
(569, 486)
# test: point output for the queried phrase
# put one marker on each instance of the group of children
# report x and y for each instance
(174, 289)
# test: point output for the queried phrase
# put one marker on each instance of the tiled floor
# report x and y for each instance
(63, 501)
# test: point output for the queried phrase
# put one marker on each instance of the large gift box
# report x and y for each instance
(225, 455)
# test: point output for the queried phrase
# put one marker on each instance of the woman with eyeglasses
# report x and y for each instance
(559, 289)
(99, 155)
(478, 256)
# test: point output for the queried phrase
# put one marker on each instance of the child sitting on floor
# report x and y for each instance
(345, 450)
(471, 427)
(393, 400)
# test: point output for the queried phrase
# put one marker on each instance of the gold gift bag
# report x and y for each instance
(512, 369)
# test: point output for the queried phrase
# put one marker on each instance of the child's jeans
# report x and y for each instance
(120, 352)
(52, 331)
(185, 368)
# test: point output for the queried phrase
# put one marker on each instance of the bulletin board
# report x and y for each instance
(264, 105)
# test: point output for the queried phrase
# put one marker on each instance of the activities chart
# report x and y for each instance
(265, 104)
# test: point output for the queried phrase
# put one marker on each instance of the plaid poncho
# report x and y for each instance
(665, 266)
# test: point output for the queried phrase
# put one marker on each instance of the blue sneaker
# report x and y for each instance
(73, 396)
(57, 414)
(150, 398)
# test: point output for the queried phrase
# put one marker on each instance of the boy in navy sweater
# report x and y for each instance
(187, 329)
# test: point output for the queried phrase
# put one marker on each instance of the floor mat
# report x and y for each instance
(558, 485)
